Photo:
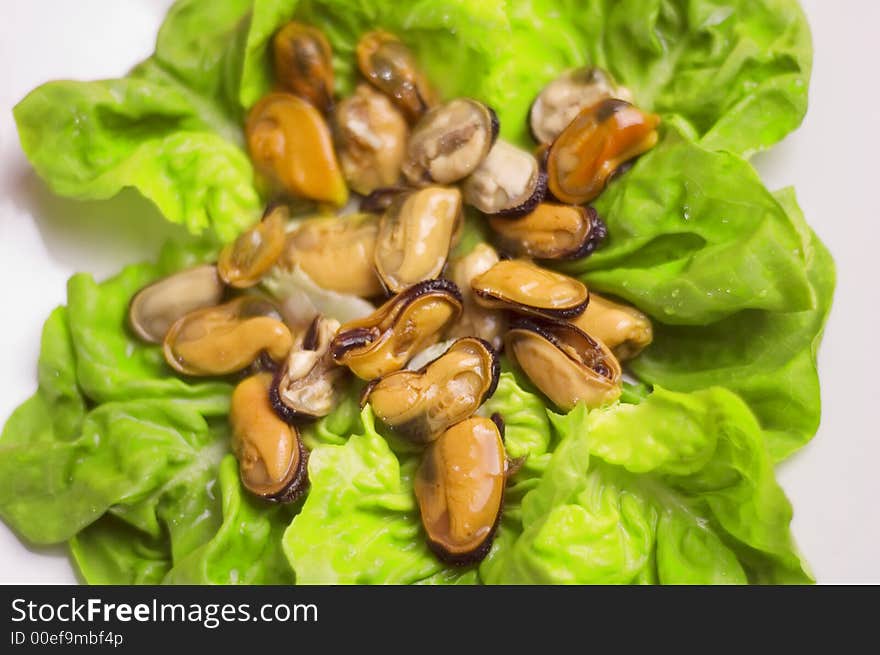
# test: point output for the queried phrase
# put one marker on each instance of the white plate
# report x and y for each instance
(831, 160)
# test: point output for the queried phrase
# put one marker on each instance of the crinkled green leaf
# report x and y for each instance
(165, 130)
(769, 358)
(679, 488)
(246, 549)
(360, 522)
(695, 237)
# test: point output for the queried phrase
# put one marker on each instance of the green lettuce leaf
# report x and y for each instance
(360, 522)
(167, 130)
(676, 489)
(768, 358)
(111, 552)
(695, 237)
(737, 70)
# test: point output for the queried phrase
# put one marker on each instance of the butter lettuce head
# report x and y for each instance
(131, 465)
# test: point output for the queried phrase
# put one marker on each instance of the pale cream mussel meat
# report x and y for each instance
(226, 338)
(551, 231)
(371, 136)
(460, 489)
(379, 200)
(509, 182)
(271, 456)
(308, 384)
(564, 362)
(562, 99)
(406, 324)
(624, 329)
(303, 63)
(450, 142)
(477, 321)
(244, 262)
(522, 286)
(421, 405)
(415, 235)
(390, 66)
(336, 253)
(156, 307)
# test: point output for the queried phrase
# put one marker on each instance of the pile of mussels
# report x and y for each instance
(403, 152)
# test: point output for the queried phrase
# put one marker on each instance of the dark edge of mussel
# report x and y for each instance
(596, 237)
(300, 482)
(354, 338)
(495, 128)
(538, 195)
(554, 315)
(498, 420)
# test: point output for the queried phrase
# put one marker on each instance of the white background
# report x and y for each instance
(832, 160)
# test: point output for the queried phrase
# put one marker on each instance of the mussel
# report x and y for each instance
(460, 488)
(509, 182)
(564, 362)
(524, 287)
(624, 329)
(157, 306)
(476, 321)
(421, 405)
(600, 139)
(304, 63)
(391, 67)
(308, 384)
(407, 323)
(336, 253)
(450, 142)
(551, 231)
(245, 261)
(226, 338)
(562, 99)
(415, 235)
(371, 136)
(291, 147)
(271, 456)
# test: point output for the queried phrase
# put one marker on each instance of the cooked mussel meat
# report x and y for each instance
(450, 142)
(551, 231)
(245, 261)
(371, 136)
(564, 362)
(291, 148)
(522, 286)
(562, 99)
(415, 235)
(624, 329)
(308, 384)
(407, 323)
(304, 63)
(600, 139)
(460, 488)
(226, 338)
(270, 453)
(476, 321)
(158, 305)
(391, 67)
(509, 182)
(421, 405)
(336, 253)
